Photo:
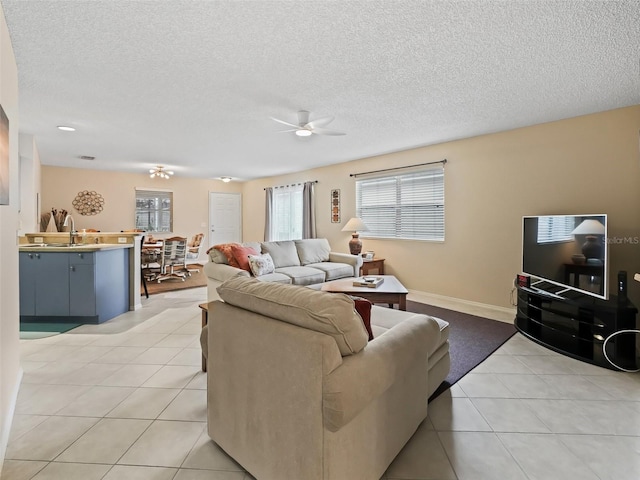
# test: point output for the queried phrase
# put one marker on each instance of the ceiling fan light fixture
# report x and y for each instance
(303, 132)
(66, 128)
(225, 179)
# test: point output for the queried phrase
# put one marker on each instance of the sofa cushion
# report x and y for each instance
(388, 318)
(261, 264)
(329, 313)
(284, 254)
(313, 250)
(226, 250)
(276, 278)
(332, 270)
(241, 254)
(303, 275)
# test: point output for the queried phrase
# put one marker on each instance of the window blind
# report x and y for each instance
(409, 205)
(555, 229)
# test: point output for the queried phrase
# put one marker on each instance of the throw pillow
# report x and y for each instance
(225, 249)
(261, 264)
(363, 307)
(241, 254)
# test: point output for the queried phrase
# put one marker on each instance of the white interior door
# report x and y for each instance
(225, 218)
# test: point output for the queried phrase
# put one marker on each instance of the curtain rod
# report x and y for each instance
(443, 162)
(292, 184)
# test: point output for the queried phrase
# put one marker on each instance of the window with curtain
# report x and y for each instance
(154, 210)
(555, 229)
(408, 205)
(286, 215)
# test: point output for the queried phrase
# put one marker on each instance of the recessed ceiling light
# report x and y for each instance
(225, 179)
(66, 128)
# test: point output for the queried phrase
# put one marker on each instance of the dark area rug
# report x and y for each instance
(471, 339)
(197, 279)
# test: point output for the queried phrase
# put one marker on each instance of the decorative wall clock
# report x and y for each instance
(88, 203)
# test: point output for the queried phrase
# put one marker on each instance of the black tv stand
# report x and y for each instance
(577, 325)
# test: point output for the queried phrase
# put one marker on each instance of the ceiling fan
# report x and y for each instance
(306, 128)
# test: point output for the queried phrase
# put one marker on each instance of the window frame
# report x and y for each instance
(405, 203)
(161, 194)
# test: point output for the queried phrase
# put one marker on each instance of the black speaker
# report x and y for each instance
(622, 286)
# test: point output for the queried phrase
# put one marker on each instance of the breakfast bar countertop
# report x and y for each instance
(79, 247)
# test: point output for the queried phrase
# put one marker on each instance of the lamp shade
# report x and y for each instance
(355, 225)
(589, 227)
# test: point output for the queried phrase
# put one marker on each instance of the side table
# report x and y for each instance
(372, 267)
(205, 319)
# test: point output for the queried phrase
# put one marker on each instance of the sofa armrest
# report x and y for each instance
(222, 271)
(364, 376)
(354, 260)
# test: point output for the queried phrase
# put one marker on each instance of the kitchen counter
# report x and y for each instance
(42, 242)
(88, 247)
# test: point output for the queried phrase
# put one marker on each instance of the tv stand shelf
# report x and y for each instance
(578, 326)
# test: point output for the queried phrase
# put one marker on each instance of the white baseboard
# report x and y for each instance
(8, 420)
(502, 314)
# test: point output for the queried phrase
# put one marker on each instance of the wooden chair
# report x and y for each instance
(173, 259)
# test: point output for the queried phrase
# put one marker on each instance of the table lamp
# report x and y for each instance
(354, 225)
(591, 248)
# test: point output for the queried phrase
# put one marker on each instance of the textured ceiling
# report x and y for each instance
(191, 84)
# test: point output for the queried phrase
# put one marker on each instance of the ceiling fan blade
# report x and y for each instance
(324, 131)
(320, 122)
(285, 123)
(287, 131)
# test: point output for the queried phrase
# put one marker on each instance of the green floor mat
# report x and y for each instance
(53, 327)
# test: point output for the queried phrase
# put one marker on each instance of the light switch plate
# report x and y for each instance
(122, 239)
(38, 239)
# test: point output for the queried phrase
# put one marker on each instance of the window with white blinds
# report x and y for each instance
(154, 210)
(409, 205)
(555, 229)
(286, 220)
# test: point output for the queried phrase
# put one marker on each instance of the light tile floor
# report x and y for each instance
(126, 400)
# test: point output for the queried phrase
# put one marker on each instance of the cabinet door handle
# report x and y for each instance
(37, 255)
(73, 268)
(30, 255)
(81, 255)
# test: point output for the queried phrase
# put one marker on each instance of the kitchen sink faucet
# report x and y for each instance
(72, 232)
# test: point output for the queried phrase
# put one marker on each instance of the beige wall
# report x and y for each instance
(190, 197)
(588, 164)
(10, 371)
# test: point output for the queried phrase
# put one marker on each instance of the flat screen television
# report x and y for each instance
(568, 251)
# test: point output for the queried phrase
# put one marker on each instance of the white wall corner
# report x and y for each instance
(501, 314)
(7, 422)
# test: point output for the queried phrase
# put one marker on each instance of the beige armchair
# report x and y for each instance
(295, 390)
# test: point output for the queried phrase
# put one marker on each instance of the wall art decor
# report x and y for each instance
(88, 203)
(335, 206)
(4, 158)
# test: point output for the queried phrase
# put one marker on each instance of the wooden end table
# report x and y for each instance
(391, 291)
(372, 267)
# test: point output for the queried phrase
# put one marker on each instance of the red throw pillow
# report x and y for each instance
(363, 307)
(241, 255)
(225, 249)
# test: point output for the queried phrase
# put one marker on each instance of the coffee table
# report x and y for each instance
(391, 291)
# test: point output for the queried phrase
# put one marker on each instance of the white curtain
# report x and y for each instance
(268, 216)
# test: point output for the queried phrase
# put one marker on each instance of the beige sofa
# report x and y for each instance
(298, 262)
(296, 390)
